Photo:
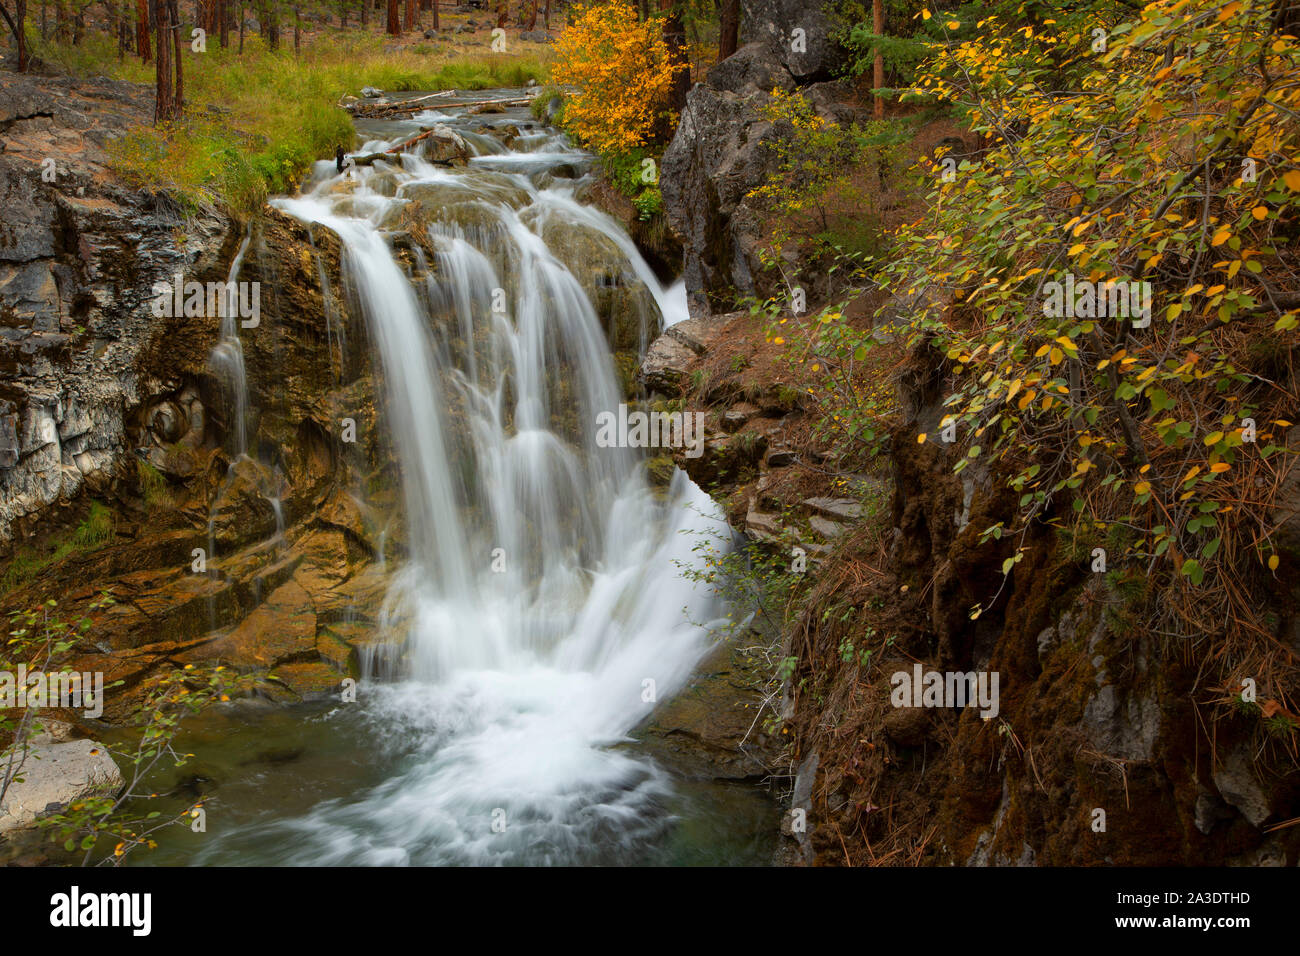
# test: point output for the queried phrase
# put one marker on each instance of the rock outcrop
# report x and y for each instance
(79, 254)
(722, 150)
(800, 36)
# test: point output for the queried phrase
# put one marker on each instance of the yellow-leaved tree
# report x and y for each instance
(622, 72)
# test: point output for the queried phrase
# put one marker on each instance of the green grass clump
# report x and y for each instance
(153, 486)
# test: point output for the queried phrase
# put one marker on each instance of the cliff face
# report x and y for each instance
(79, 254)
(1106, 746)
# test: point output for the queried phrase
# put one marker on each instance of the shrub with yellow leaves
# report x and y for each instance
(623, 74)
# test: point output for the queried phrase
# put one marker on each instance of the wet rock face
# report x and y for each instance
(79, 254)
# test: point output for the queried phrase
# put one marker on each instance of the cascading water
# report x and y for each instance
(542, 599)
(228, 356)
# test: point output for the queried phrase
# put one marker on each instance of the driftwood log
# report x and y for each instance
(379, 111)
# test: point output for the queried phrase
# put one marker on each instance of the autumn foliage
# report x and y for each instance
(1156, 151)
(622, 70)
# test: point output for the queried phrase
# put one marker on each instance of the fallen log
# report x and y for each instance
(364, 107)
(363, 111)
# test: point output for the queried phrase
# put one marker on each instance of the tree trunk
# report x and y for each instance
(162, 109)
(178, 96)
(503, 13)
(18, 26)
(675, 39)
(242, 11)
(878, 71)
(268, 14)
(532, 17)
(142, 31)
(546, 17)
(410, 15)
(436, 25)
(297, 28)
(394, 25)
(223, 23)
(729, 24)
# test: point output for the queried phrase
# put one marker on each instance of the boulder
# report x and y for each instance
(664, 367)
(54, 774)
(1240, 788)
(751, 69)
(718, 155)
(839, 509)
(796, 34)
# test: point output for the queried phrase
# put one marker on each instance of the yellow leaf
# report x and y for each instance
(926, 14)
(1142, 487)
(1273, 562)
(1055, 356)
(1219, 467)
(1077, 248)
(1221, 236)
(1292, 180)
(1260, 212)
(920, 439)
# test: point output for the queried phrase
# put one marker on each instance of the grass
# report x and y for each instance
(153, 486)
(275, 113)
(92, 534)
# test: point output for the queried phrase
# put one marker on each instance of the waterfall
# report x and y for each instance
(228, 356)
(542, 603)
